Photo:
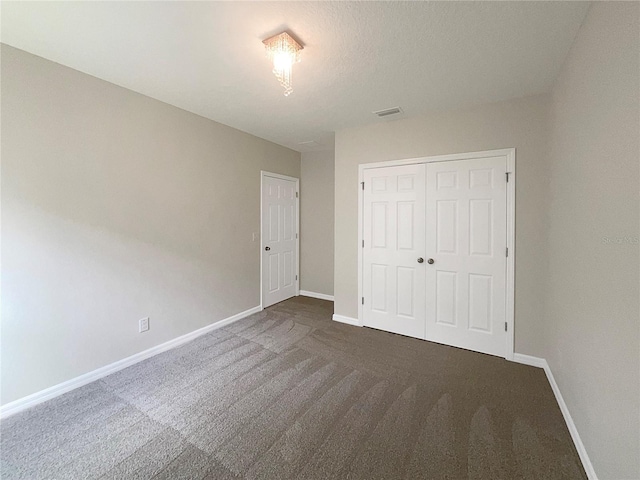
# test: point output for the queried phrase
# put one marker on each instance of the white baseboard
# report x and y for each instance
(321, 296)
(64, 387)
(529, 360)
(348, 320)
(573, 430)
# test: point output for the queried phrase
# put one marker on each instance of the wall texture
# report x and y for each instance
(316, 222)
(518, 123)
(592, 326)
(116, 207)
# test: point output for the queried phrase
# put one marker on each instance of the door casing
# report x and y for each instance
(263, 174)
(510, 156)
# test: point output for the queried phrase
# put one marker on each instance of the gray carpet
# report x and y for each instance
(288, 393)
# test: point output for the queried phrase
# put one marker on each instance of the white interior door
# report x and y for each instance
(466, 239)
(394, 236)
(279, 239)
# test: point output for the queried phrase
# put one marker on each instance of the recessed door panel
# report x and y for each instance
(480, 177)
(379, 184)
(274, 223)
(288, 222)
(446, 298)
(404, 292)
(287, 260)
(406, 183)
(446, 180)
(379, 288)
(480, 299)
(446, 226)
(480, 226)
(274, 272)
(379, 224)
(405, 225)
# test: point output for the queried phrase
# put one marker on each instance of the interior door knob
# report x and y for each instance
(267, 248)
(420, 260)
(431, 261)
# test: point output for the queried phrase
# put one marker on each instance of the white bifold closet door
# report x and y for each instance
(466, 237)
(394, 281)
(434, 255)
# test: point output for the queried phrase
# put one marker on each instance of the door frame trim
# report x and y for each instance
(510, 154)
(264, 173)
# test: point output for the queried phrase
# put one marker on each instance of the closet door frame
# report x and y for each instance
(510, 158)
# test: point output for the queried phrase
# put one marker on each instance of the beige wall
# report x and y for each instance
(520, 124)
(117, 207)
(592, 325)
(316, 222)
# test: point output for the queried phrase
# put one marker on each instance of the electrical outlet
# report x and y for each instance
(256, 236)
(143, 323)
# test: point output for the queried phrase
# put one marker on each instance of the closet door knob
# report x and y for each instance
(431, 261)
(420, 260)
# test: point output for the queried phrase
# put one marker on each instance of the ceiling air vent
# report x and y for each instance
(388, 111)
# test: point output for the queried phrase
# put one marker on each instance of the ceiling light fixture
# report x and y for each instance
(283, 51)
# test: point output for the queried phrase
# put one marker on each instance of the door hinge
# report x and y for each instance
(362, 300)
(505, 326)
(362, 183)
(296, 194)
(507, 175)
(296, 235)
(362, 243)
(296, 277)
(507, 252)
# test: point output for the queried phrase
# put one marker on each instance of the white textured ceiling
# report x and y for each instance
(208, 58)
